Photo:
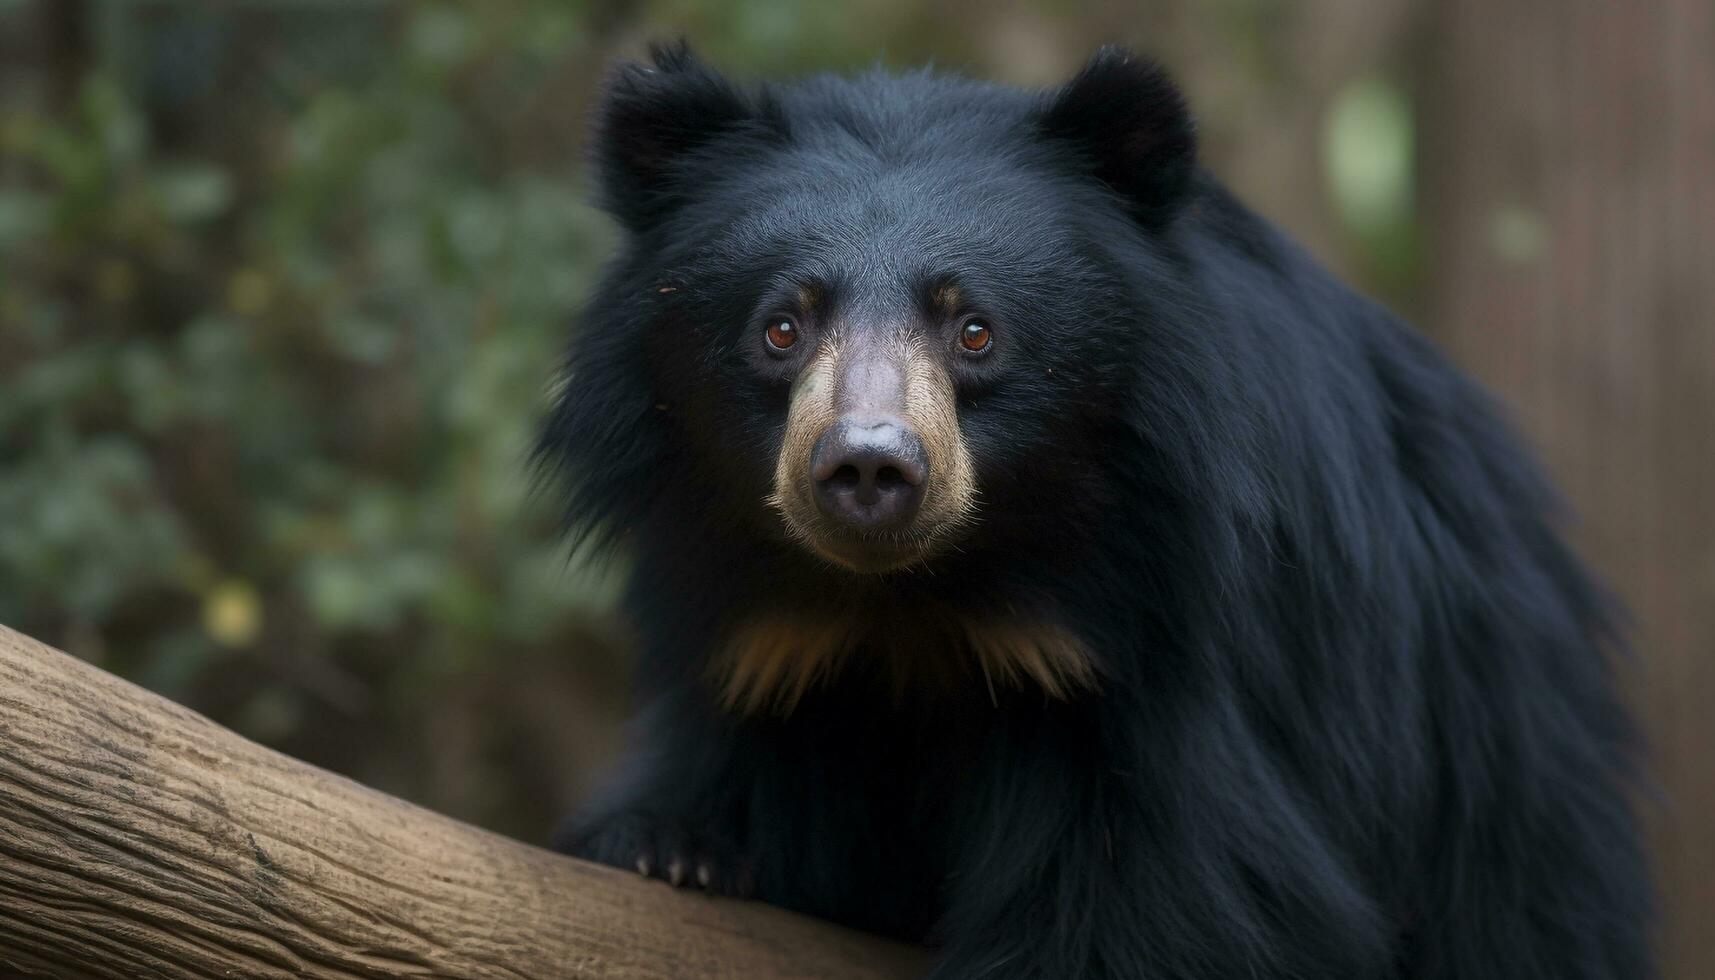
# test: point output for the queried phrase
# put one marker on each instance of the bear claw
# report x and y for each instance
(664, 850)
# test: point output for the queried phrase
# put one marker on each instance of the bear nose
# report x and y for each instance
(869, 473)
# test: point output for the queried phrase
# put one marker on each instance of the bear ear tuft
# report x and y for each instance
(651, 117)
(1131, 126)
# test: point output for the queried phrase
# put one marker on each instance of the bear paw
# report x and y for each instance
(663, 848)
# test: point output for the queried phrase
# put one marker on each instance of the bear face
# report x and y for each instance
(862, 355)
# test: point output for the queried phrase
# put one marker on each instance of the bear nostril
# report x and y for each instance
(869, 474)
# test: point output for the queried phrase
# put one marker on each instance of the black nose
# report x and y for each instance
(869, 472)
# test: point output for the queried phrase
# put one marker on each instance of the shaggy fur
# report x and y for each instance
(1342, 708)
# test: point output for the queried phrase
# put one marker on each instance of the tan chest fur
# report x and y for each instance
(771, 661)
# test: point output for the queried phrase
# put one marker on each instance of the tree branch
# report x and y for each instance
(139, 839)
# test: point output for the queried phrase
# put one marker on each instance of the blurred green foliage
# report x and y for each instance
(282, 287)
(1369, 158)
(276, 334)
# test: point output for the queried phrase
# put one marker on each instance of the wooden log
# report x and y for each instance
(139, 839)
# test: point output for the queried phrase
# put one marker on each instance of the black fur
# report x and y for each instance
(1355, 716)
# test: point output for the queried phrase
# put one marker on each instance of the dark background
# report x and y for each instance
(282, 283)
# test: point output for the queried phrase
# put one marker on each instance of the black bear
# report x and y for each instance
(1038, 556)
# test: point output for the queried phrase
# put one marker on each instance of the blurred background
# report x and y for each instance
(282, 283)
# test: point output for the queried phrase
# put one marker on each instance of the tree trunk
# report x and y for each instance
(139, 839)
(1569, 174)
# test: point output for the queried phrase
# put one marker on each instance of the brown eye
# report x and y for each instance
(975, 336)
(782, 333)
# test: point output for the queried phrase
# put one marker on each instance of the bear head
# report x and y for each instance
(868, 313)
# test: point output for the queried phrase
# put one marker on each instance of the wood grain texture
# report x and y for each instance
(139, 839)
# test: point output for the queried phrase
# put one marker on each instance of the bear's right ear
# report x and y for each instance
(1128, 123)
(651, 117)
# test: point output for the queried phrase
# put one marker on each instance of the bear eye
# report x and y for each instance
(782, 333)
(975, 336)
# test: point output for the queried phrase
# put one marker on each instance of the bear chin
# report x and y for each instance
(868, 555)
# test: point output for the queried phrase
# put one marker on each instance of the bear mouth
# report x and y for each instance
(868, 554)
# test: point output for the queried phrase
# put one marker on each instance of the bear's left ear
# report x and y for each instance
(1130, 124)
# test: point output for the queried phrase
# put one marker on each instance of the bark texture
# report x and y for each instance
(139, 839)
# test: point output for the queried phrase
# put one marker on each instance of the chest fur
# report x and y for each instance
(770, 661)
